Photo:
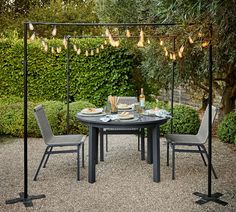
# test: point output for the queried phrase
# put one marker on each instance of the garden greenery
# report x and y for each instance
(93, 78)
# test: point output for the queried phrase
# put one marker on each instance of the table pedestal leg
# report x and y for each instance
(93, 140)
(101, 145)
(149, 146)
(156, 153)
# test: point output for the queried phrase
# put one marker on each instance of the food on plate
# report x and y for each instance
(123, 105)
(126, 115)
(89, 110)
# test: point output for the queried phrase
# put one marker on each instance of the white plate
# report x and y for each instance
(91, 115)
(124, 107)
(133, 119)
(91, 111)
(127, 117)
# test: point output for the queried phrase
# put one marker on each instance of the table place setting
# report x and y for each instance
(92, 112)
(158, 113)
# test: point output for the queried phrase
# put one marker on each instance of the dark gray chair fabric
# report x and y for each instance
(129, 100)
(52, 141)
(178, 141)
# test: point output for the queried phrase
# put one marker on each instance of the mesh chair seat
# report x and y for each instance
(183, 139)
(67, 140)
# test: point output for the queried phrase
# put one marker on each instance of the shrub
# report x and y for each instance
(185, 120)
(12, 117)
(226, 130)
(74, 125)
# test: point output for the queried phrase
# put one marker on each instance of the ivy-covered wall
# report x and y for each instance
(91, 77)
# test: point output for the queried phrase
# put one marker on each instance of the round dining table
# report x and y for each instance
(96, 123)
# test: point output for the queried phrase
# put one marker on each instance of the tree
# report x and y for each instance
(192, 68)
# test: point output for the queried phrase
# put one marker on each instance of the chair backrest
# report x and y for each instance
(129, 100)
(43, 123)
(203, 130)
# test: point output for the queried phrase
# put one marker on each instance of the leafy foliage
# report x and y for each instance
(185, 118)
(94, 77)
(226, 130)
(12, 118)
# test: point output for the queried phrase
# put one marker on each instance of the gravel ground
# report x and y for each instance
(123, 181)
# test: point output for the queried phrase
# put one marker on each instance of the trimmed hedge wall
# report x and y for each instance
(93, 77)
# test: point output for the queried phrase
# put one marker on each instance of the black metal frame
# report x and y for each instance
(24, 197)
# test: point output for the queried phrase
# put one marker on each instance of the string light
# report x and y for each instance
(107, 32)
(141, 39)
(46, 47)
(105, 42)
(53, 50)
(78, 51)
(54, 31)
(31, 27)
(58, 49)
(75, 48)
(92, 52)
(148, 41)
(102, 47)
(86, 53)
(97, 50)
(32, 36)
(205, 44)
(181, 49)
(190, 39)
(166, 53)
(128, 35)
(180, 54)
(173, 56)
(161, 42)
(65, 42)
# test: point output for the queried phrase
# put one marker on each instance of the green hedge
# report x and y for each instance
(12, 118)
(226, 130)
(92, 78)
(185, 119)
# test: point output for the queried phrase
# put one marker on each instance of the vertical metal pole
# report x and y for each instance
(172, 89)
(210, 113)
(68, 84)
(25, 113)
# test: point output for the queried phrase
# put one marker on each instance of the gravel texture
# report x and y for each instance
(123, 181)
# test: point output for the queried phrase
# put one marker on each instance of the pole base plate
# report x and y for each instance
(213, 198)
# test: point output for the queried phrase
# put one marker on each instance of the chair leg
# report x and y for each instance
(83, 155)
(204, 161)
(41, 162)
(106, 142)
(78, 163)
(212, 168)
(168, 153)
(173, 161)
(45, 163)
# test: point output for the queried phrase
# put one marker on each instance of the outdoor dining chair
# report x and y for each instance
(184, 140)
(57, 141)
(129, 100)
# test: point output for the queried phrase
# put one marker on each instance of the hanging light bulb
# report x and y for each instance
(107, 32)
(166, 53)
(181, 49)
(97, 50)
(53, 50)
(141, 39)
(180, 54)
(92, 52)
(86, 53)
(31, 27)
(102, 47)
(205, 44)
(65, 42)
(190, 39)
(116, 43)
(75, 48)
(161, 42)
(78, 51)
(32, 36)
(43, 43)
(46, 47)
(128, 35)
(58, 49)
(105, 42)
(54, 31)
(173, 56)
(148, 41)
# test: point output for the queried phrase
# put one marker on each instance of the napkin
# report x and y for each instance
(163, 114)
